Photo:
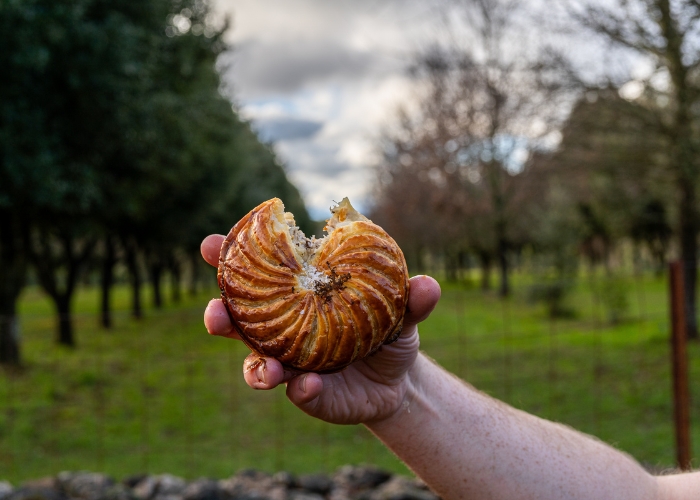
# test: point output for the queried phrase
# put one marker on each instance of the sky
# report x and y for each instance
(322, 80)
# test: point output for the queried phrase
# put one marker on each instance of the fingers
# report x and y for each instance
(423, 296)
(303, 389)
(211, 247)
(217, 321)
(265, 373)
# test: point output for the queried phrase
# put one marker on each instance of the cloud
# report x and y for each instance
(320, 80)
(327, 136)
(322, 174)
(259, 68)
(312, 160)
(279, 129)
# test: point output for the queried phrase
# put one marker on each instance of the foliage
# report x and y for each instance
(665, 34)
(616, 302)
(114, 133)
(553, 294)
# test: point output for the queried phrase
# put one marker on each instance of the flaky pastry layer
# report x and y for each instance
(315, 305)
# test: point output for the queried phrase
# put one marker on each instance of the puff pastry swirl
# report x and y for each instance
(313, 304)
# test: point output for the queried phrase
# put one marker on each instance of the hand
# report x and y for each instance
(367, 391)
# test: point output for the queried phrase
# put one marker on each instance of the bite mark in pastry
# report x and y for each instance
(313, 304)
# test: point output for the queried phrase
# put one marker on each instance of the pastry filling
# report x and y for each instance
(311, 277)
(322, 282)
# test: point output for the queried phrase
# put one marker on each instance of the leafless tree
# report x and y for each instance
(485, 104)
(666, 32)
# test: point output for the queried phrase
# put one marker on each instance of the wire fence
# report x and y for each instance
(160, 395)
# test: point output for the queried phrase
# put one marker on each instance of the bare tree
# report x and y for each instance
(485, 105)
(666, 33)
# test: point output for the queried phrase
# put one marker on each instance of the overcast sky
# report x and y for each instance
(321, 78)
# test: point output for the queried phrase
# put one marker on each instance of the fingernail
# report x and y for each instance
(260, 373)
(256, 366)
(302, 383)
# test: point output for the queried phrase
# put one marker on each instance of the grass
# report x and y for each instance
(160, 395)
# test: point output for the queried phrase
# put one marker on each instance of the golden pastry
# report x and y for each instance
(313, 304)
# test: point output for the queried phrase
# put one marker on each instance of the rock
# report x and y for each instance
(45, 488)
(230, 488)
(315, 483)
(201, 489)
(84, 485)
(303, 495)
(48, 483)
(284, 478)
(133, 480)
(402, 488)
(5, 489)
(362, 477)
(162, 487)
(248, 484)
(146, 488)
(169, 486)
(339, 494)
(277, 492)
(32, 493)
(117, 492)
(347, 483)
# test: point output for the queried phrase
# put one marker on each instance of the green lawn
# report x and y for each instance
(161, 395)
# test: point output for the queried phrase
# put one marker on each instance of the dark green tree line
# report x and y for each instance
(116, 144)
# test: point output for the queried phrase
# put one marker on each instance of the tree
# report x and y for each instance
(115, 136)
(487, 105)
(611, 162)
(38, 175)
(666, 33)
(78, 91)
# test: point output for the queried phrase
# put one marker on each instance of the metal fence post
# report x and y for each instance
(679, 366)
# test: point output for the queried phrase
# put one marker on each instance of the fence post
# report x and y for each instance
(679, 366)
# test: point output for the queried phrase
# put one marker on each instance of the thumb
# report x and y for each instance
(423, 296)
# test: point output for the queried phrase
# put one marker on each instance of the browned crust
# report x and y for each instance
(304, 329)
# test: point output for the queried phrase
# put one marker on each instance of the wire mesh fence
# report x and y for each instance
(160, 395)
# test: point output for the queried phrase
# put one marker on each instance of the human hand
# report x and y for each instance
(367, 391)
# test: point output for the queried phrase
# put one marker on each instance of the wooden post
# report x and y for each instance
(679, 366)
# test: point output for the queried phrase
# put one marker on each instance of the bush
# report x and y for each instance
(553, 294)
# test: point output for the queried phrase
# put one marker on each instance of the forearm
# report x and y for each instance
(465, 444)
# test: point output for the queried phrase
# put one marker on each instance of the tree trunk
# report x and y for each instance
(504, 287)
(50, 263)
(452, 266)
(485, 262)
(689, 249)
(683, 155)
(194, 273)
(136, 309)
(155, 273)
(11, 284)
(132, 264)
(9, 335)
(13, 267)
(175, 275)
(65, 322)
(498, 197)
(107, 280)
